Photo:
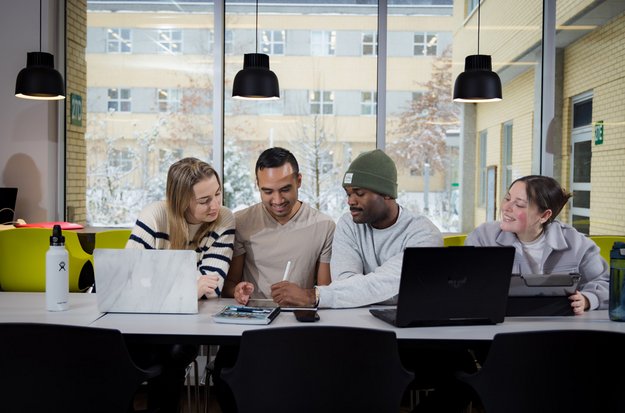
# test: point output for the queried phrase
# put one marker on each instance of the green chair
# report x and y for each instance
(114, 238)
(23, 260)
(605, 242)
(456, 240)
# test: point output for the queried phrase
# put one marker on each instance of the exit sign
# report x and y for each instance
(75, 109)
(599, 132)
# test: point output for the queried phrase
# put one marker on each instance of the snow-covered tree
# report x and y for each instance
(418, 139)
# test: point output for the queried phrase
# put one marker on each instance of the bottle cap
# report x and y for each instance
(57, 238)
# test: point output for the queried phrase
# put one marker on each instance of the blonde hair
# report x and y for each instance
(181, 178)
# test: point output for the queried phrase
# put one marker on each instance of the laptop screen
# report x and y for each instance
(146, 281)
(454, 285)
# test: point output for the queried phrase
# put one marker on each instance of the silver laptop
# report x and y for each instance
(146, 281)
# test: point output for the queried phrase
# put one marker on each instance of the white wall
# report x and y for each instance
(29, 129)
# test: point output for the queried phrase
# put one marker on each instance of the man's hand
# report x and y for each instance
(243, 291)
(287, 294)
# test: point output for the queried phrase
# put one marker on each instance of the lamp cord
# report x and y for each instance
(39, 25)
(256, 26)
(478, 25)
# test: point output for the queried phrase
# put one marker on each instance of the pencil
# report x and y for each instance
(286, 271)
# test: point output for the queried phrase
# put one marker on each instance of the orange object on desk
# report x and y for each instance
(64, 225)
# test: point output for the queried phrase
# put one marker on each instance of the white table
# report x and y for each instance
(201, 328)
(31, 308)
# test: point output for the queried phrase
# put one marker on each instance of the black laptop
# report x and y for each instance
(442, 286)
(7, 205)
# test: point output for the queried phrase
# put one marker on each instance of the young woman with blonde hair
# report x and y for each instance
(191, 217)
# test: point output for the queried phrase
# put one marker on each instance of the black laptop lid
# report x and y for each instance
(454, 285)
(7, 205)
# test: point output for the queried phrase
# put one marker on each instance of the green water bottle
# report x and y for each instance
(617, 280)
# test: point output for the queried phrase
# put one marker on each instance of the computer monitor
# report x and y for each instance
(8, 196)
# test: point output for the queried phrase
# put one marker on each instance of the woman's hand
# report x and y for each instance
(579, 303)
(206, 285)
(243, 291)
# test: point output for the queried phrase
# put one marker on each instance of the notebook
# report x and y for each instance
(443, 286)
(146, 281)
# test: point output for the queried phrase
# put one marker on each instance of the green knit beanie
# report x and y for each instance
(373, 170)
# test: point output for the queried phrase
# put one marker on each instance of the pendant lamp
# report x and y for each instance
(478, 82)
(39, 80)
(256, 81)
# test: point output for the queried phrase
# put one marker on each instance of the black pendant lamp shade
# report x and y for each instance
(478, 82)
(39, 79)
(256, 81)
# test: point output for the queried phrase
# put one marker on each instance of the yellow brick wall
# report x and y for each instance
(75, 150)
(595, 63)
(516, 107)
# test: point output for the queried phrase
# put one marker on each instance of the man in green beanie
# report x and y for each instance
(369, 241)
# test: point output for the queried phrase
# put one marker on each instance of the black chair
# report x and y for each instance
(57, 368)
(317, 369)
(552, 371)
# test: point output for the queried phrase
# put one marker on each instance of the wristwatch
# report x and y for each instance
(316, 296)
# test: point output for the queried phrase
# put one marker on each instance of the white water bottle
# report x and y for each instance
(57, 273)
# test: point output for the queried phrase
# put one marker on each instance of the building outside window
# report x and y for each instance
(272, 42)
(370, 44)
(368, 103)
(119, 40)
(322, 43)
(425, 44)
(168, 100)
(121, 159)
(119, 100)
(228, 42)
(169, 41)
(321, 102)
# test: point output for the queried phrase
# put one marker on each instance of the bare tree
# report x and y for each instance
(315, 154)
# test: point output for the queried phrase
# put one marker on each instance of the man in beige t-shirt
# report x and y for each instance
(278, 230)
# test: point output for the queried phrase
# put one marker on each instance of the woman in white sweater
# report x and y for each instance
(191, 217)
(543, 244)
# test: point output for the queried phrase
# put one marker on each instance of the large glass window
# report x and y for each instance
(506, 157)
(140, 53)
(482, 150)
(581, 163)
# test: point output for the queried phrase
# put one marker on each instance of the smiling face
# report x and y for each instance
(205, 201)
(520, 216)
(279, 191)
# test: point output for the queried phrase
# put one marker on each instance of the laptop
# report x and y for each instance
(146, 281)
(8, 197)
(443, 286)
